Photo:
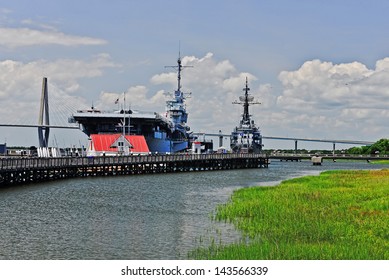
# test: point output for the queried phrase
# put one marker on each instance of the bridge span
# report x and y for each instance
(296, 140)
(221, 136)
(333, 157)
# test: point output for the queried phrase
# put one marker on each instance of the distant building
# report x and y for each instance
(202, 147)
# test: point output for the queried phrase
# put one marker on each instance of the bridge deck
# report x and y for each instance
(297, 157)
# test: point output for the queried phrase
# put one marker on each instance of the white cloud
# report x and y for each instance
(135, 98)
(40, 25)
(339, 100)
(22, 37)
(164, 78)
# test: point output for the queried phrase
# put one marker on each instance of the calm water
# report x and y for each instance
(129, 217)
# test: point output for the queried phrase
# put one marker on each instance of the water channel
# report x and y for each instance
(161, 216)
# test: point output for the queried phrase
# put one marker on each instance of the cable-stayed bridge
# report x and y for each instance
(61, 109)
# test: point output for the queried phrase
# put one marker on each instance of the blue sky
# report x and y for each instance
(319, 68)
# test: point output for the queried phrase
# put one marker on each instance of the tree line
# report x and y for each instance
(380, 147)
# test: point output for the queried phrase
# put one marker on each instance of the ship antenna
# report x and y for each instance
(179, 73)
(124, 114)
(246, 100)
(179, 67)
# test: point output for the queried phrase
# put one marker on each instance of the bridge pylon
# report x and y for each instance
(44, 120)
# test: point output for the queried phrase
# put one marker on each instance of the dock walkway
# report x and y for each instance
(16, 171)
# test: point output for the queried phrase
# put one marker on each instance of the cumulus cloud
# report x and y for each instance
(22, 37)
(337, 100)
(135, 97)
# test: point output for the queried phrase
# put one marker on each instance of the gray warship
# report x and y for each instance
(246, 138)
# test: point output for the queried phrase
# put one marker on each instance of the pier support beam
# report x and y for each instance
(333, 148)
(220, 139)
(295, 146)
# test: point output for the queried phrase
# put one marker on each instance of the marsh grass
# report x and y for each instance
(384, 161)
(337, 215)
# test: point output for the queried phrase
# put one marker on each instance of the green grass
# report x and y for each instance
(384, 161)
(337, 215)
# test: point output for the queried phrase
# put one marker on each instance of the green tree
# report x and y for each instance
(354, 151)
(381, 146)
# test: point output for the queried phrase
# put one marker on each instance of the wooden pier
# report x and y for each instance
(17, 171)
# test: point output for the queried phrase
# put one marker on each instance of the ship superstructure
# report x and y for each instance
(177, 114)
(164, 133)
(246, 138)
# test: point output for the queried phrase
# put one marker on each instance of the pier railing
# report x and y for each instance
(29, 162)
(16, 171)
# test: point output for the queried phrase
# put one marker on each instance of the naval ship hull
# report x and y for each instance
(154, 127)
(166, 146)
(243, 141)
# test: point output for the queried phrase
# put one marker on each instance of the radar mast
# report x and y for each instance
(246, 100)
